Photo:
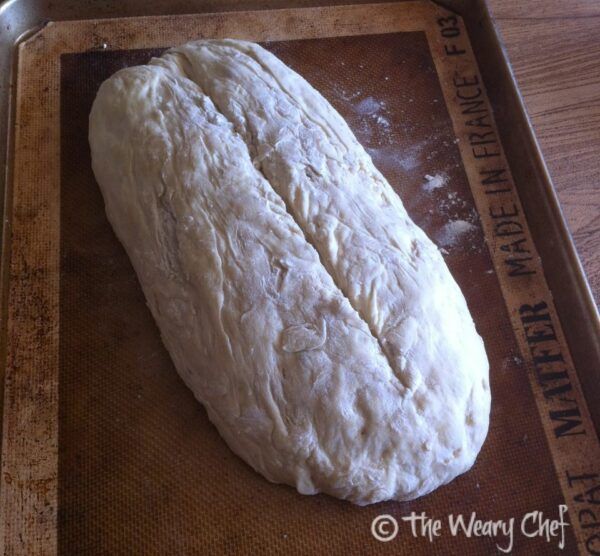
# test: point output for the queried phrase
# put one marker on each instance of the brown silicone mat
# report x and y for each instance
(140, 468)
(140, 465)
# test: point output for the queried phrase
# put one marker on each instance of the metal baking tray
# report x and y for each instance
(46, 508)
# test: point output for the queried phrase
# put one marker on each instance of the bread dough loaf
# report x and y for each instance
(315, 321)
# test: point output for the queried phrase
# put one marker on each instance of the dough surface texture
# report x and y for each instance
(316, 323)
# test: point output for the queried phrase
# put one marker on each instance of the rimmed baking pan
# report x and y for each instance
(104, 449)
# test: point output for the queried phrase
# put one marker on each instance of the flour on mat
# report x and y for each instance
(511, 361)
(435, 182)
(346, 95)
(453, 232)
(386, 156)
(449, 204)
(383, 122)
(372, 111)
(369, 106)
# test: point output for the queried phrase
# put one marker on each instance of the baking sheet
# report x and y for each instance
(139, 465)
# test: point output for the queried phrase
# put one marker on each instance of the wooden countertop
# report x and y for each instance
(554, 49)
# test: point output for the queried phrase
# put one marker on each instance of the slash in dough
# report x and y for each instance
(318, 325)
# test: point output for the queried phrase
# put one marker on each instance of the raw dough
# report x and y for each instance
(352, 367)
